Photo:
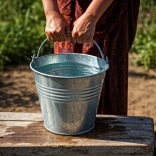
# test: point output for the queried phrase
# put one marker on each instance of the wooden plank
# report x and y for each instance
(108, 118)
(22, 133)
(74, 151)
(111, 133)
(116, 126)
(15, 116)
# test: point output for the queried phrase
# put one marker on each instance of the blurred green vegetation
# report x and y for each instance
(145, 40)
(22, 31)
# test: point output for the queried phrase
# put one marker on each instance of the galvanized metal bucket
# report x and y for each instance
(69, 104)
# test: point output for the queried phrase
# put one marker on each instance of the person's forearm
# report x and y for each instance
(50, 6)
(97, 8)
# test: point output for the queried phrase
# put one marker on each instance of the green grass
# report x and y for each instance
(145, 41)
(22, 30)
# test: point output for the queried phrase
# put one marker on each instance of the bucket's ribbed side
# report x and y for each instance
(66, 95)
(69, 106)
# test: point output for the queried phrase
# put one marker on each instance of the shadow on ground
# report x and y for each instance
(141, 75)
(18, 90)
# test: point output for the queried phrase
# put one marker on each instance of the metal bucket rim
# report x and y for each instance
(67, 77)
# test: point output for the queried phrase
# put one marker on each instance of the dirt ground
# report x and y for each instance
(18, 91)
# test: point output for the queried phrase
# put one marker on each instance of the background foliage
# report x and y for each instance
(22, 31)
(145, 41)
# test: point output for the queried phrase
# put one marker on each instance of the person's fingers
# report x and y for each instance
(47, 34)
(63, 36)
(56, 36)
(50, 38)
(59, 38)
(84, 39)
(53, 38)
(68, 35)
(79, 39)
(74, 36)
(89, 39)
(69, 38)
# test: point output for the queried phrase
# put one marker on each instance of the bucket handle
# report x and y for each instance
(69, 32)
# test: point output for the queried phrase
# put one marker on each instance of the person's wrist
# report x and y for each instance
(92, 17)
(53, 13)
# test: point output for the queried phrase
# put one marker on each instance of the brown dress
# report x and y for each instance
(115, 32)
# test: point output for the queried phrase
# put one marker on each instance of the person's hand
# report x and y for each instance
(83, 30)
(56, 26)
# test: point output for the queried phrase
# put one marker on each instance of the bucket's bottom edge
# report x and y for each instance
(79, 133)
